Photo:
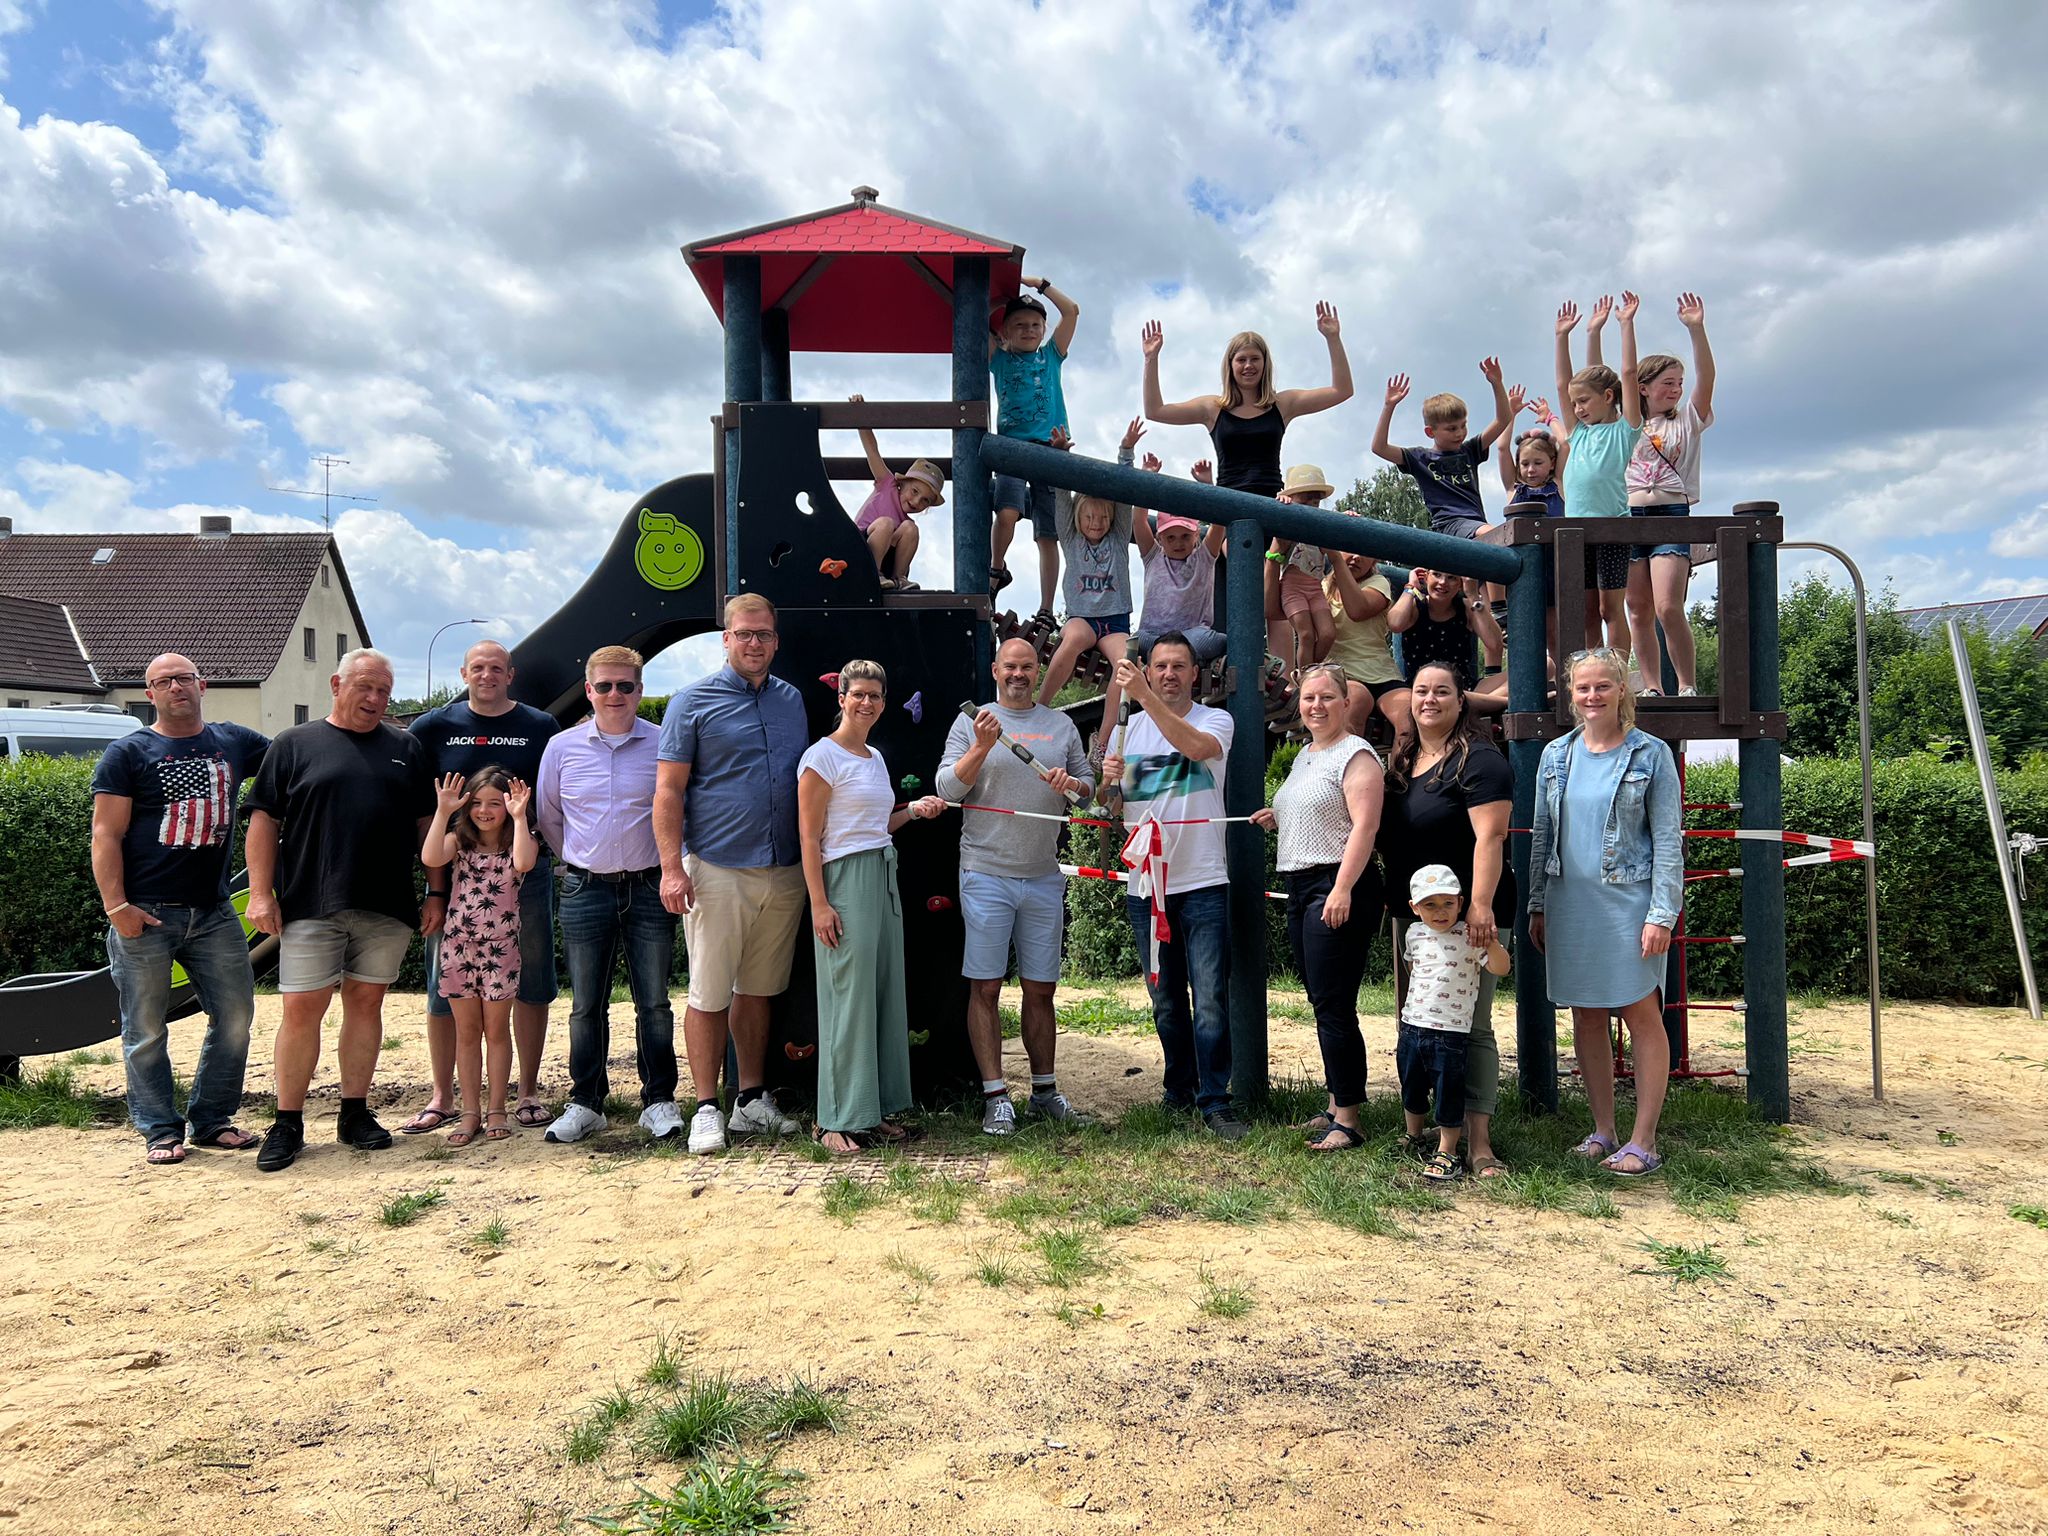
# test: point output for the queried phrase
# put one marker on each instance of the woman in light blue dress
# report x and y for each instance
(1606, 882)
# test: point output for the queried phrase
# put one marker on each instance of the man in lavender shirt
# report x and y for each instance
(595, 806)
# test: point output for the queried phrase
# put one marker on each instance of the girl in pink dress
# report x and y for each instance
(480, 827)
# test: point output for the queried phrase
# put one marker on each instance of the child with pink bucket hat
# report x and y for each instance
(885, 517)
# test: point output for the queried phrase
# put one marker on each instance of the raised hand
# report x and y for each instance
(1060, 439)
(1602, 308)
(448, 795)
(1151, 462)
(1626, 313)
(1517, 397)
(1397, 389)
(1542, 409)
(1151, 338)
(1489, 369)
(1692, 314)
(856, 399)
(517, 797)
(1203, 471)
(1326, 317)
(1567, 318)
(1134, 431)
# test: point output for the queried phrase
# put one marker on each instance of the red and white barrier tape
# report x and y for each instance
(1799, 863)
(1090, 872)
(1090, 821)
(1144, 856)
(1838, 847)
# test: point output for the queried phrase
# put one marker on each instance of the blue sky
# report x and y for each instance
(441, 242)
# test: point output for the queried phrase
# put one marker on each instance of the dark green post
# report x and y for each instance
(1763, 868)
(1535, 1019)
(970, 491)
(775, 355)
(1244, 791)
(742, 386)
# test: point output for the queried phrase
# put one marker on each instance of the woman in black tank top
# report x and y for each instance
(1248, 419)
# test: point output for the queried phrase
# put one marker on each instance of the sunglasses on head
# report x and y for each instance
(608, 686)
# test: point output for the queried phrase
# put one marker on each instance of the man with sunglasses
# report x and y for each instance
(730, 746)
(595, 806)
(163, 811)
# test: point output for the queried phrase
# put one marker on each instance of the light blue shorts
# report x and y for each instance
(999, 911)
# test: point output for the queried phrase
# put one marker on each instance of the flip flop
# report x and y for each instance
(499, 1132)
(162, 1154)
(1595, 1148)
(229, 1138)
(464, 1134)
(1353, 1140)
(1650, 1161)
(818, 1134)
(531, 1115)
(420, 1124)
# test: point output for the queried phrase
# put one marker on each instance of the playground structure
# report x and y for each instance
(861, 277)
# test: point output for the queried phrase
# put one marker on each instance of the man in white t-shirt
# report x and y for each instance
(1168, 768)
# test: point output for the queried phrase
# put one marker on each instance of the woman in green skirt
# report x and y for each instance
(845, 816)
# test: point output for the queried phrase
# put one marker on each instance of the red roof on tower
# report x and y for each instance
(859, 277)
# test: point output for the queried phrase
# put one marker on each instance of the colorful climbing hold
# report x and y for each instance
(797, 1052)
(830, 680)
(938, 903)
(920, 1036)
(910, 783)
(915, 704)
(833, 568)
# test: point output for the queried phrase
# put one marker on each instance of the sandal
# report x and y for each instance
(429, 1119)
(1418, 1147)
(1317, 1125)
(162, 1154)
(1443, 1168)
(855, 1142)
(1647, 1163)
(1352, 1141)
(531, 1114)
(466, 1130)
(229, 1138)
(1488, 1168)
(498, 1132)
(1595, 1148)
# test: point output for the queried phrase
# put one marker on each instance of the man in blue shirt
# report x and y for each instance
(484, 730)
(163, 811)
(727, 777)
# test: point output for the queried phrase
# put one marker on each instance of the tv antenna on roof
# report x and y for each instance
(327, 493)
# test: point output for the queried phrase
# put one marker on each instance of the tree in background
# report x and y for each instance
(1389, 496)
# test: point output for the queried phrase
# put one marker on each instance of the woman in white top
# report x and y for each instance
(845, 816)
(1327, 814)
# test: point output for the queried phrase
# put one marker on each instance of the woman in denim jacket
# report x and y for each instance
(1606, 881)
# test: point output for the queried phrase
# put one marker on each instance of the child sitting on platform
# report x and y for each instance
(1294, 579)
(1179, 563)
(885, 517)
(1436, 1017)
(1095, 538)
(1030, 405)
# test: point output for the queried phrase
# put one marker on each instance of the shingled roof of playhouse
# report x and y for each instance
(859, 277)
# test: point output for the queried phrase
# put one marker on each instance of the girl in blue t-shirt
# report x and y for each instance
(1603, 418)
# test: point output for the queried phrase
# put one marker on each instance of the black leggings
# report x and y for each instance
(1332, 964)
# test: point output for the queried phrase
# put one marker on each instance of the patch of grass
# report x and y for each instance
(1074, 1316)
(706, 1412)
(665, 1369)
(1012, 1022)
(1689, 1265)
(1545, 1187)
(1067, 1254)
(1948, 1138)
(742, 1496)
(917, 1274)
(589, 1438)
(1103, 1014)
(1236, 1205)
(1219, 1300)
(781, 1413)
(491, 1236)
(2032, 1215)
(437, 1151)
(847, 1198)
(940, 1200)
(404, 1210)
(312, 1218)
(323, 1245)
(1026, 1208)
(903, 1180)
(1911, 1181)
(994, 1271)
(53, 1097)
(1896, 1218)
(392, 1042)
(89, 1059)
(618, 1106)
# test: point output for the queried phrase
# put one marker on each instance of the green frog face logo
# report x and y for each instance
(668, 555)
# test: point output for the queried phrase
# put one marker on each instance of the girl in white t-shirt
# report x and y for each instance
(846, 818)
(1664, 481)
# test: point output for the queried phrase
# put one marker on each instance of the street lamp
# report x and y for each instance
(451, 624)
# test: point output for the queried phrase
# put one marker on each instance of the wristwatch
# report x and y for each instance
(1044, 283)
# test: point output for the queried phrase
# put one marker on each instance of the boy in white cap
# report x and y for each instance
(1436, 1018)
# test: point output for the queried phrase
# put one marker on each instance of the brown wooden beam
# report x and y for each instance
(1644, 530)
(888, 415)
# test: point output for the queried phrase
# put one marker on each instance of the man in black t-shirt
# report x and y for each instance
(338, 815)
(163, 812)
(486, 730)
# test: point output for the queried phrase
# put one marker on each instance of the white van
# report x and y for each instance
(62, 732)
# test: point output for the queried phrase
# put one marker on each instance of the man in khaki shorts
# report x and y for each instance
(726, 793)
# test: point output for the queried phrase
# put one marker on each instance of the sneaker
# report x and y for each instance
(362, 1132)
(1055, 1106)
(707, 1130)
(574, 1123)
(761, 1117)
(662, 1119)
(1226, 1125)
(282, 1144)
(998, 1116)
(1688, 693)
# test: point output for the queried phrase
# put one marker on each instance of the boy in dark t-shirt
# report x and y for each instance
(1447, 471)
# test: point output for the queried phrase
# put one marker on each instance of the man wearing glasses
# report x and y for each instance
(595, 806)
(163, 808)
(730, 745)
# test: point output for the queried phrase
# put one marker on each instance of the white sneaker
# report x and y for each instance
(662, 1119)
(1055, 1106)
(998, 1117)
(763, 1118)
(707, 1130)
(574, 1123)
(1688, 693)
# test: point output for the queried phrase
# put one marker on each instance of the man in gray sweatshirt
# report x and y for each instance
(1011, 888)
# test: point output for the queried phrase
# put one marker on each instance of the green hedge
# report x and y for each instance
(50, 917)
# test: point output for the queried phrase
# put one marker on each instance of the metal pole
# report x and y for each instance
(1535, 1017)
(1244, 791)
(970, 488)
(2001, 845)
(1869, 807)
(451, 624)
(1766, 1045)
(742, 386)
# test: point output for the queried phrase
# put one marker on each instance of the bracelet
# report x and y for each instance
(1276, 557)
(435, 896)
(1044, 283)
(121, 908)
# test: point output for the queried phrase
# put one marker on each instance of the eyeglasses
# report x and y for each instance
(174, 680)
(752, 636)
(1597, 653)
(608, 686)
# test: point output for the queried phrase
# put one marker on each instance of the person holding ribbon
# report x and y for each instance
(1165, 778)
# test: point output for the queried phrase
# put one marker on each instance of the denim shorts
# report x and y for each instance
(318, 952)
(1004, 910)
(1650, 551)
(1037, 499)
(1460, 527)
(537, 982)
(1109, 624)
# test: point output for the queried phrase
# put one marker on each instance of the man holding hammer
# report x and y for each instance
(1012, 894)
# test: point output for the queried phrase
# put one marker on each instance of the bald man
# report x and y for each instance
(163, 809)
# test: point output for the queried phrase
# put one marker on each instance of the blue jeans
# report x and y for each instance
(209, 943)
(598, 918)
(1197, 1046)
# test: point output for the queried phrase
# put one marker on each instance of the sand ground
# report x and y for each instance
(214, 1350)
